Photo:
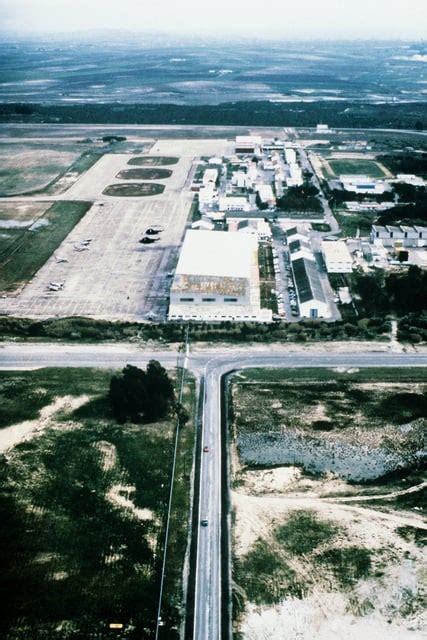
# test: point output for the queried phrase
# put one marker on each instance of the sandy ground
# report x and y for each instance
(11, 436)
(268, 497)
(120, 496)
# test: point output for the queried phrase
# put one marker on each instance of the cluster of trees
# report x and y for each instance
(304, 198)
(400, 293)
(413, 207)
(88, 330)
(141, 396)
(413, 327)
(339, 196)
(245, 113)
(406, 163)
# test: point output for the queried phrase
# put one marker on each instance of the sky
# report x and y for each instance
(382, 19)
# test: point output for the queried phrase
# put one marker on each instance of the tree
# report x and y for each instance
(139, 396)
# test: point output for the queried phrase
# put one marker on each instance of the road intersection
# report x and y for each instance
(211, 587)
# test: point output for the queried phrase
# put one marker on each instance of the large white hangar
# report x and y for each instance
(217, 279)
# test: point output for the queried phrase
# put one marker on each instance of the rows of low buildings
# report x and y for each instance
(407, 236)
(263, 171)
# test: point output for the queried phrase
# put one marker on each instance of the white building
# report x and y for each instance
(290, 156)
(217, 279)
(406, 236)
(294, 176)
(257, 227)
(240, 180)
(252, 172)
(337, 257)
(248, 144)
(322, 128)
(266, 194)
(207, 196)
(234, 203)
(210, 177)
(362, 184)
(408, 178)
(205, 223)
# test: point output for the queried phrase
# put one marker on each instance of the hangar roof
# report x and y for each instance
(217, 253)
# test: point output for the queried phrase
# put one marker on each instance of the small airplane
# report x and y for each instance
(59, 259)
(56, 286)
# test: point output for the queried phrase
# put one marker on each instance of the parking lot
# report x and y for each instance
(103, 270)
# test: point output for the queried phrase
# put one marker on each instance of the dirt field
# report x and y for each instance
(317, 555)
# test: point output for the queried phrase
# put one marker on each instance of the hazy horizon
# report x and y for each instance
(273, 19)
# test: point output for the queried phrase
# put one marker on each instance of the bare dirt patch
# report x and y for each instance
(385, 593)
(11, 436)
(120, 496)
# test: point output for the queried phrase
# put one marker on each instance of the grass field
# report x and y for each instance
(153, 161)
(345, 398)
(134, 189)
(27, 167)
(144, 174)
(25, 249)
(15, 218)
(356, 167)
(82, 505)
(350, 223)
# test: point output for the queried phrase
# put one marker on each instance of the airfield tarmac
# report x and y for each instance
(107, 273)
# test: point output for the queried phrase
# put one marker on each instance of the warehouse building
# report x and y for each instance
(337, 257)
(234, 203)
(217, 279)
(408, 236)
(311, 297)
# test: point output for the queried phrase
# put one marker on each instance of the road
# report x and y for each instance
(212, 364)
